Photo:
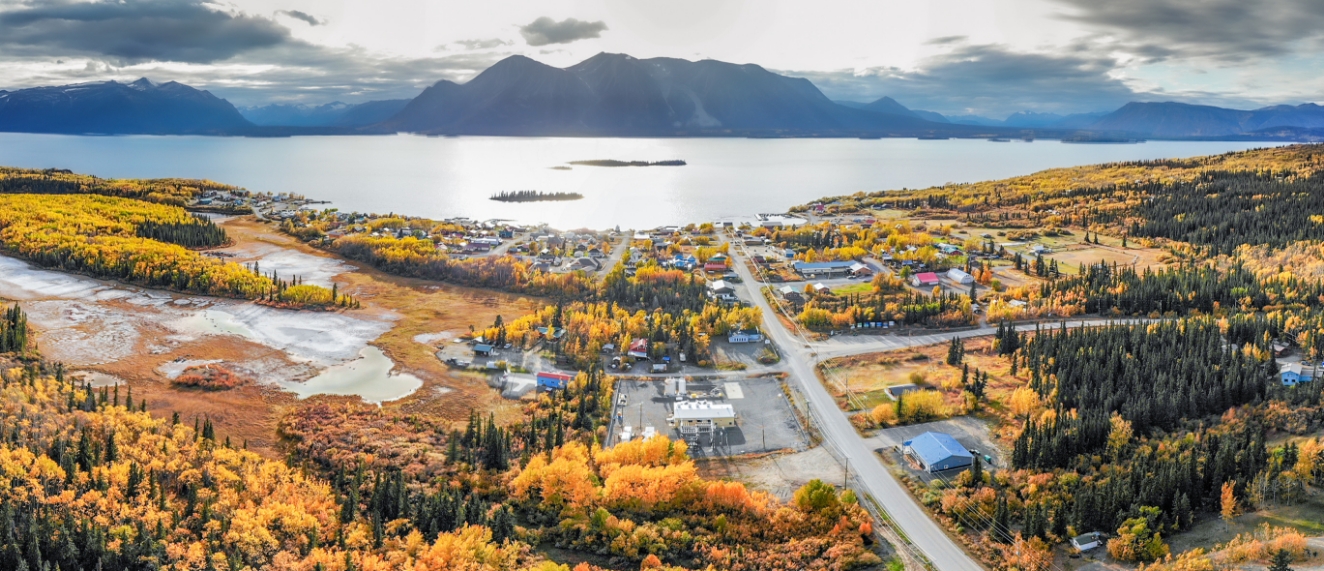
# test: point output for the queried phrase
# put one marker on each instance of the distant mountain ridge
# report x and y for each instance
(110, 107)
(1182, 120)
(334, 114)
(615, 94)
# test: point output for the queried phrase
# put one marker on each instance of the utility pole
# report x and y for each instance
(845, 475)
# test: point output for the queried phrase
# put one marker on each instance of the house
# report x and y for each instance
(937, 451)
(949, 249)
(1040, 249)
(895, 391)
(586, 264)
(720, 287)
(820, 288)
(753, 241)
(553, 381)
(860, 269)
(1294, 373)
(822, 269)
(694, 417)
(482, 350)
(745, 336)
(712, 266)
(1281, 349)
(789, 293)
(960, 277)
(638, 349)
(923, 279)
(1087, 542)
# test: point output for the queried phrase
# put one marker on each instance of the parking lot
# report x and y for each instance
(764, 419)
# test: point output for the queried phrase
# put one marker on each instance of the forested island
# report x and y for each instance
(534, 196)
(614, 163)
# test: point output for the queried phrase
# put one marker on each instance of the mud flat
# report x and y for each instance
(368, 377)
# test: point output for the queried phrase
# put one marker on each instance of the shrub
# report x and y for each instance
(209, 378)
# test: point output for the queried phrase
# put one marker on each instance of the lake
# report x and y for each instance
(455, 176)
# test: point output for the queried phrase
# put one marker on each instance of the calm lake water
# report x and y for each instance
(447, 177)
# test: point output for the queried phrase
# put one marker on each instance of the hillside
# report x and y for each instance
(334, 114)
(141, 107)
(1181, 120)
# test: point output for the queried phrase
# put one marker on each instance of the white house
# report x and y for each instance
(745, 336)
(1088, 541)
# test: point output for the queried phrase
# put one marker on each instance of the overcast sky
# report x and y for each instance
(985, 57)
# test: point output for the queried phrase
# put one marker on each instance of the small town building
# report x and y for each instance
(1293, 373)
(937, 451)
(949, 249)
(745, 336)
(860, 269)
(720, 287)
(924, 279)
(482, 350)
(700, 417)
(638, 349)
(959, 276)
(553, 380)
(515, 385)
(1087, 542)
(712, 266)
(789, 293)
(822, 269)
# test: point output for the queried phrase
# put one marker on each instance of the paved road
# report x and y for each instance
(838, 433)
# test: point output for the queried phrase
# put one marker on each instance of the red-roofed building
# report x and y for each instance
(638, 349)
(924, 279)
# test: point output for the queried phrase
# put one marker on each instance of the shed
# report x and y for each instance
(959, 276)
(938, 451)
(482, 350)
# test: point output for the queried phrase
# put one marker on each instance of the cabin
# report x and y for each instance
(959, 276)
(937, 451)
(924, 279)
(553, 381)
(861, 270)
(745, 336)
(482, 350)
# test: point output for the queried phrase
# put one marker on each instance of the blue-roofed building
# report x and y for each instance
(482, 349)
(936, 451)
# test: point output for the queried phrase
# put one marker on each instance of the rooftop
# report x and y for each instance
(936, 446)
(703, 410)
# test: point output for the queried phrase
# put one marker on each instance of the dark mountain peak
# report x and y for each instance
(114, 108)
(617, 94)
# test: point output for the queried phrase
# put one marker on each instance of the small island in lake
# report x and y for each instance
(612, 163)
(534, 196)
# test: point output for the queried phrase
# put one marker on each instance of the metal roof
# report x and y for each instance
(703, 411)
(934, 447)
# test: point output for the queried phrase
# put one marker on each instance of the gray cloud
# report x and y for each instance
(988, 80)
(1228, 30)
(132, 31)
(544, 31)
(302, 16)
(482, 44)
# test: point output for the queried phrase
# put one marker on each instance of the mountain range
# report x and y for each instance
(613, 95)
(141, 107)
